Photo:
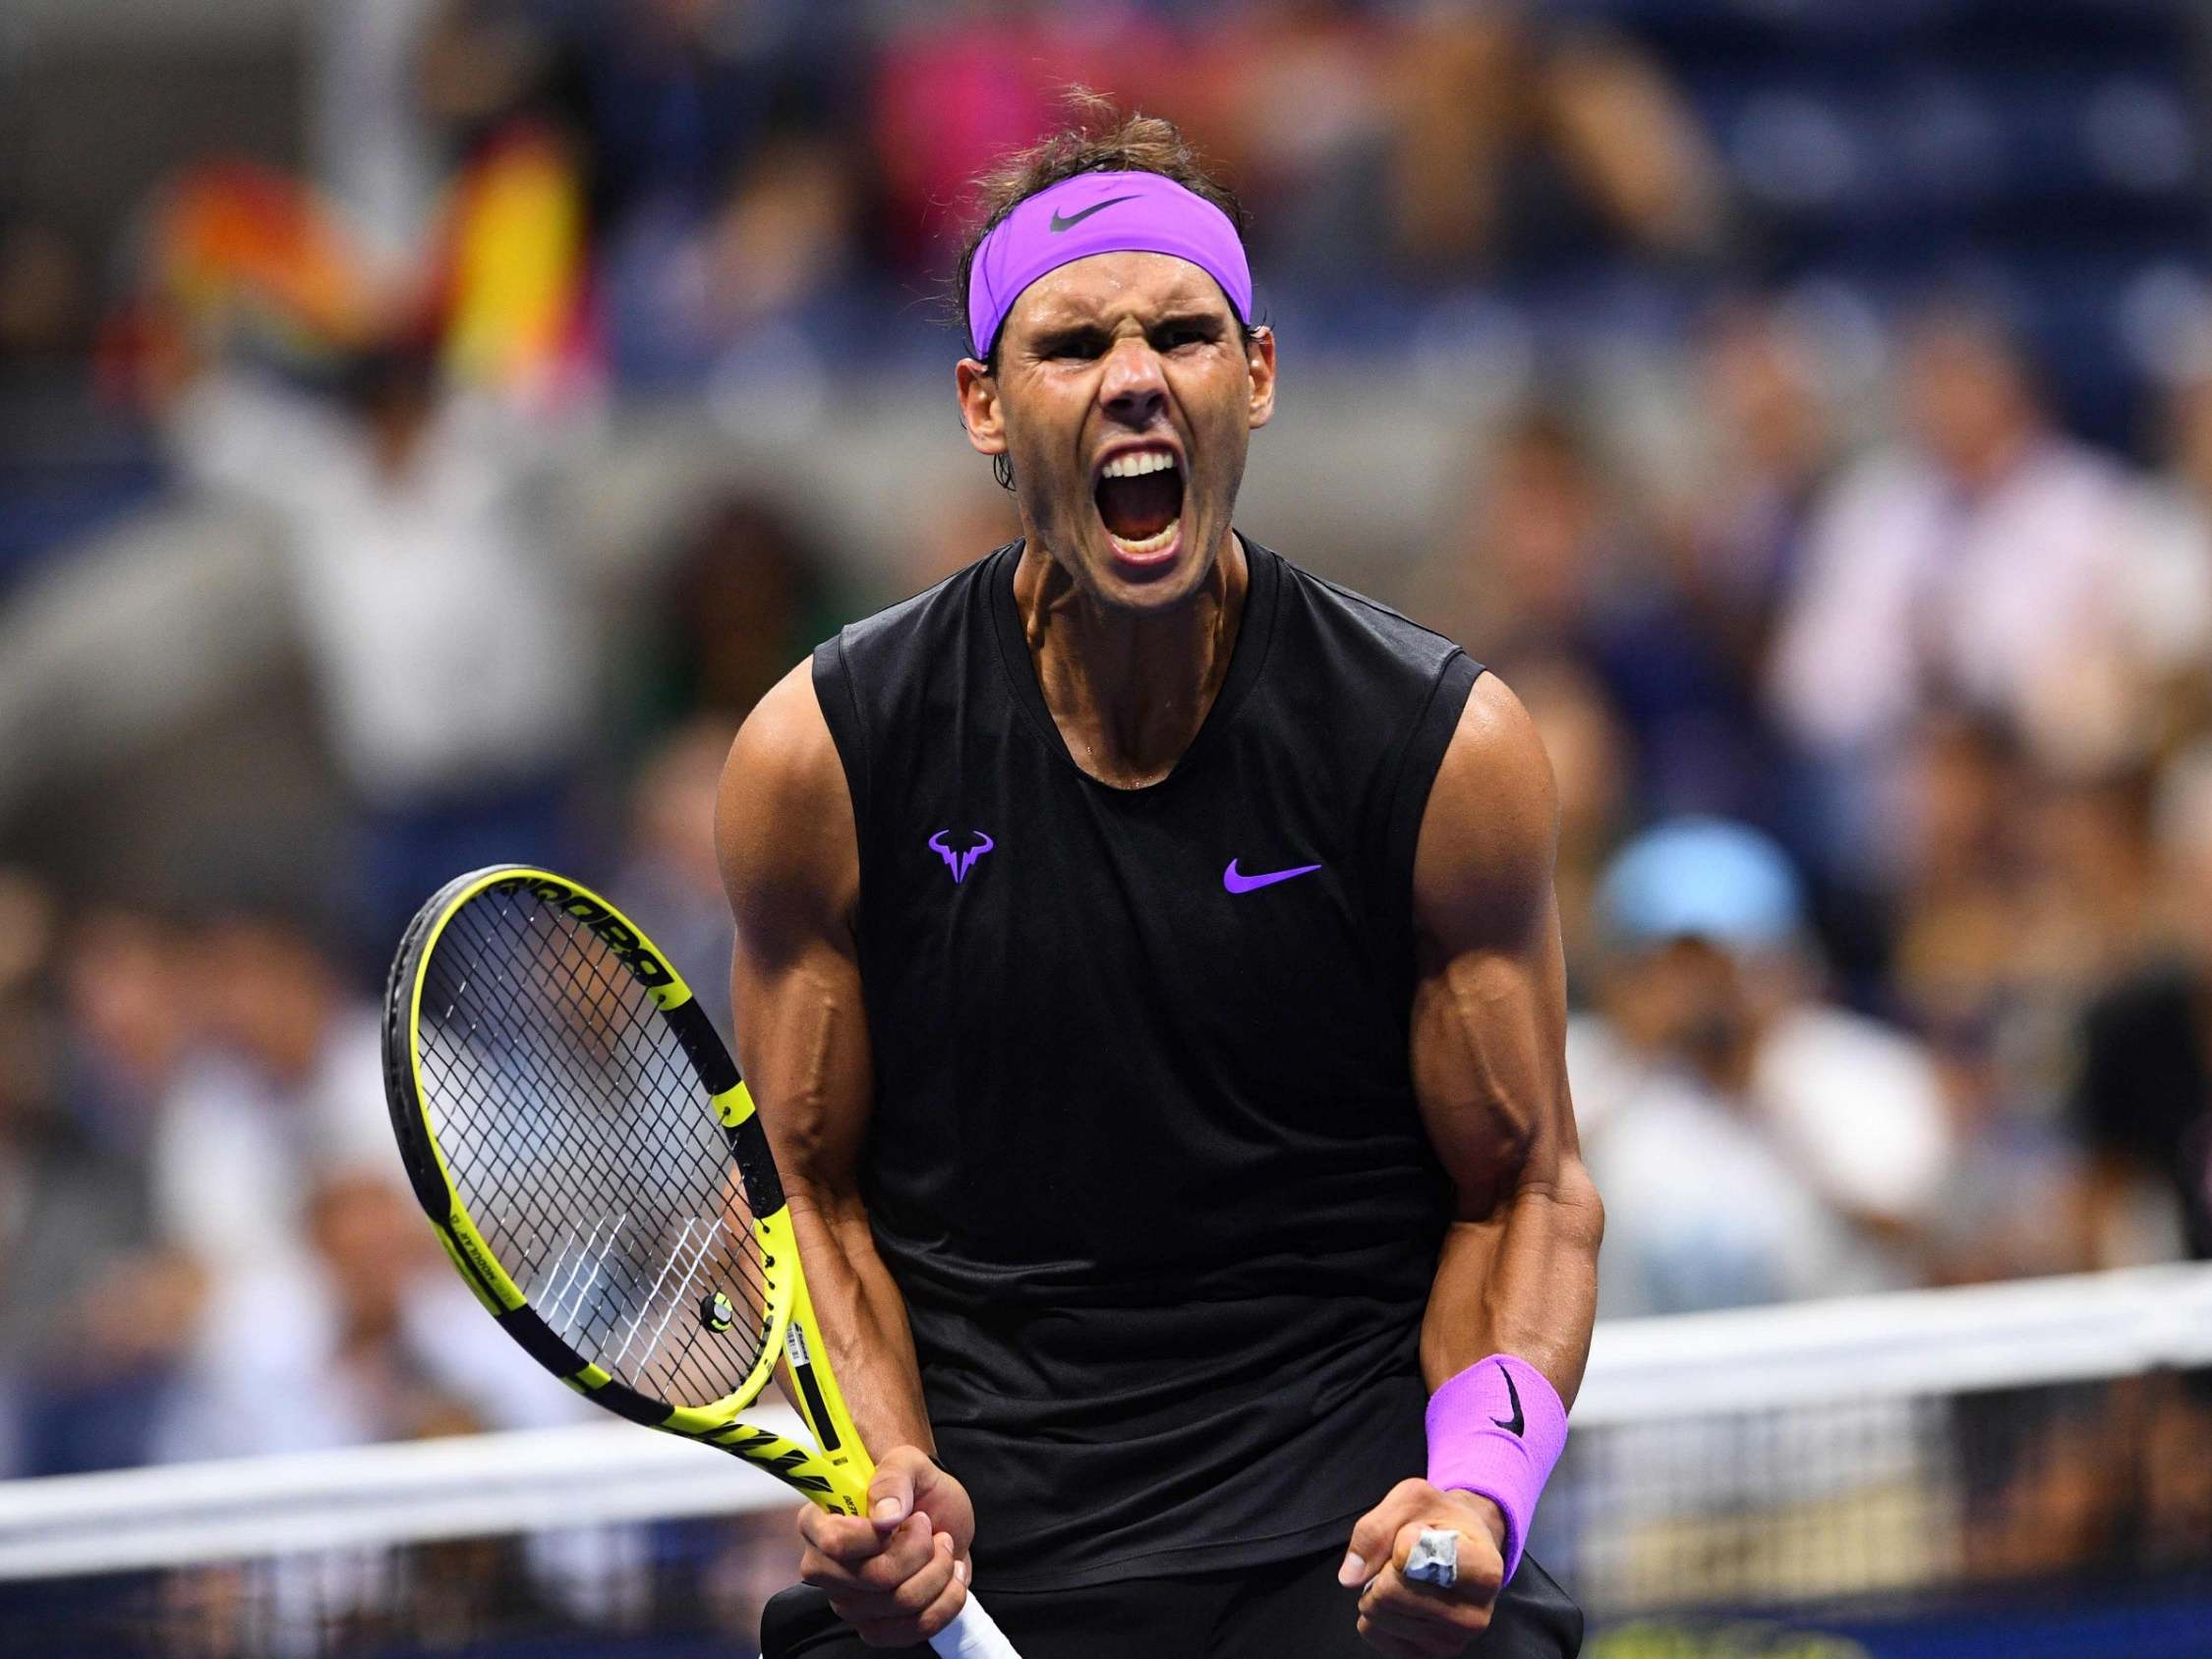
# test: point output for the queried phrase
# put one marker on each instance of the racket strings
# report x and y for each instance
(595, 1273)
(657, 1065)
(583, 1144)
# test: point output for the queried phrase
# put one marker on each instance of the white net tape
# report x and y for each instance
(1667, 1421)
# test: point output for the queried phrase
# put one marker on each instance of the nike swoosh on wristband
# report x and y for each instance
(1236, 880)
(1513, 1394)
(1073, 220)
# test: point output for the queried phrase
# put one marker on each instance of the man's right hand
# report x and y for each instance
(898, 1575)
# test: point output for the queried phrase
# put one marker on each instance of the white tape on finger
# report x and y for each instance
(1434, 1558)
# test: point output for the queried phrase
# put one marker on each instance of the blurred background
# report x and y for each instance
(428, 426)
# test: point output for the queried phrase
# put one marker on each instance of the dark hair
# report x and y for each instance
(1099, 137)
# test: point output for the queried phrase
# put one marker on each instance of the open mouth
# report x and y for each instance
(1139, 498)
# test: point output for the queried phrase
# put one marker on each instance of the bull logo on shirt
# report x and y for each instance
(959, 860)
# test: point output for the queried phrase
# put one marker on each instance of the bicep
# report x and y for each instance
(1488, 1027)
(790, 865)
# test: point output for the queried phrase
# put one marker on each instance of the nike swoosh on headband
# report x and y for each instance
(1075, 219)
(1068, 221)
(1236, 880)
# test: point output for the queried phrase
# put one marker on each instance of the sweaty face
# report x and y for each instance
(1127, 398)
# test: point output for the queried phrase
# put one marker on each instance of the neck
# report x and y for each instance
(1128, 690)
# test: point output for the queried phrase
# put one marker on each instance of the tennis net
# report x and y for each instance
(1955, 1471)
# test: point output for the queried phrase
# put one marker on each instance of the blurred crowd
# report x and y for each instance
(1880, 699)
(1883, 772)
(206, 1246)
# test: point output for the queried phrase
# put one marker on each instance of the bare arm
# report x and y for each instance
(1518, 1273)
(1519, 1269)
(790, 862)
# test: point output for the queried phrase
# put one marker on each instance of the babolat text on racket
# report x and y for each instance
(591, 1159)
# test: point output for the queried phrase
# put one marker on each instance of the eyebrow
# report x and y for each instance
(1190, 320)
(1063, 330)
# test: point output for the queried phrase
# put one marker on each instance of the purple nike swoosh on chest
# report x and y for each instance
(1236, 880)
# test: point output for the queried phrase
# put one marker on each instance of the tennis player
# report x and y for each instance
(1148, 971)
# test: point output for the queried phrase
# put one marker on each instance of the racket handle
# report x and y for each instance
(972, 1635)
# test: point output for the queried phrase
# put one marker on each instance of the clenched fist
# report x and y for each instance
(1405, 1620)
(898, 1575)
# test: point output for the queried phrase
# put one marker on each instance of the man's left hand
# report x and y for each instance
(1404, 1620)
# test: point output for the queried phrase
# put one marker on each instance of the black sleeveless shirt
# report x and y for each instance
(1144, 1159)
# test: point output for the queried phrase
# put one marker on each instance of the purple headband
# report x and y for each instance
(1100, 213)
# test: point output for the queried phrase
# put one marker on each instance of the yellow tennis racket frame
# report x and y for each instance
(835, 1476)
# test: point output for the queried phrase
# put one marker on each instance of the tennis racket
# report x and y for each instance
(584, 1146)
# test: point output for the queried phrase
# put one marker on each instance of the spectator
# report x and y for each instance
(2012, 893)
(60, 1207)
(1772, 449)
(2170, 567)
(1956, 875)
(1518, 148)
(454, 662)
(1294, 97)
(747, 597)
(1539, 549)
(132, 1016)
(958, 87)
(675, 96)
(287, 1078)
(1712, 1066)
(475, 67)
(2143, 1098)
(1555, 560)
(725, 190)
(365, 1335)
(1975, 565)
(2017, 896)
(361, 1332)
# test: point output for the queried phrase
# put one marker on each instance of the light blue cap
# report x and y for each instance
(1702, 878)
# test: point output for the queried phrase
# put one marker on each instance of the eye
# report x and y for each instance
(1181, 334)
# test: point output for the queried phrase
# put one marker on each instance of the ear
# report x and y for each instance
(981, 410)
(1260, 358)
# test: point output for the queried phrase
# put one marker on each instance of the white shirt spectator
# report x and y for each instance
(1912, 587)
(265, 1374)
(232, 1152)
(1701, 1211)
(1860, 1107)
(1717, 1202)
(449, 652)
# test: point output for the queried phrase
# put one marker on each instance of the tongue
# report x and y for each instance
(1135, 509)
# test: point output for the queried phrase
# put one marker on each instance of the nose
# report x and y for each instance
(1133, 389)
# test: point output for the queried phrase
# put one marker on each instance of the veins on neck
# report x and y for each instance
(1128, 690)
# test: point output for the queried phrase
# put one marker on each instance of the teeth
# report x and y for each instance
(1150, 543)
(1136, 465)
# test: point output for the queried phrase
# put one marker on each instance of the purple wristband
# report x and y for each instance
(1497, 1429)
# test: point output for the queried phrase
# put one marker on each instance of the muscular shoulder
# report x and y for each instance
(784, 817)
(1482, 866)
